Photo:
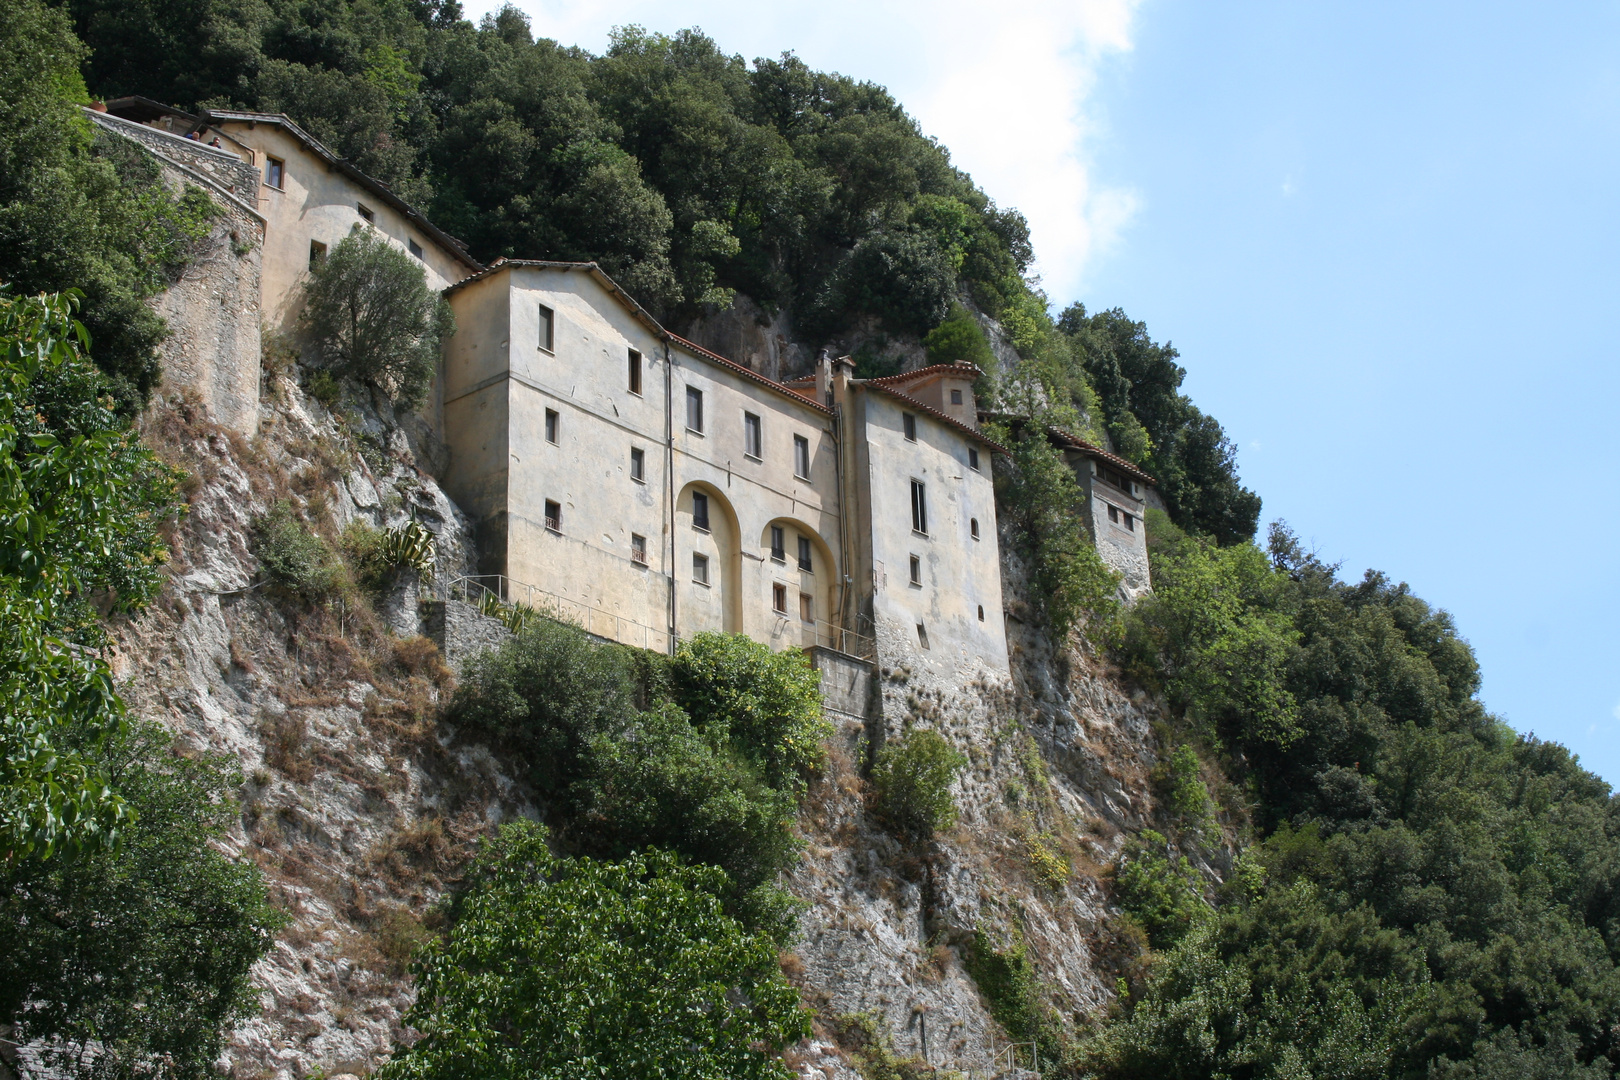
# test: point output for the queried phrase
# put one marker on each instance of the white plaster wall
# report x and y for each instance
(316, 202)
(959, 574)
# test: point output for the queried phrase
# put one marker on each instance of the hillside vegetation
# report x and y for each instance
(1347, 868)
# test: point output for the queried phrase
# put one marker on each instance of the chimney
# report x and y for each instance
(843, 370)
(824, 378)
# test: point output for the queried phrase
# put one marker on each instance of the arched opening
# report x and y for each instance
(799, 598)
(708, 562)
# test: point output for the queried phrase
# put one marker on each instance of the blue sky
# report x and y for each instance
(1385, 238)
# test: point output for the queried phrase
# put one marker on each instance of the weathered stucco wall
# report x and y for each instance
(1121, 537)
(213, 310)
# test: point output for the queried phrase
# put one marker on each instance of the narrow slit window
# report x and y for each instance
(973, 458)
(801, 457)
(807, 607)
(753, 439)
(415, 248)
(638, 553)
(922, 635)
(919, 508)
(956, 397)
(910, 424)
(317, 253)
(1113, 514)
(779, 599)
(548, 328)
(552, 422)
(778, 544)
(694, 409)
(700, 568)
(700, 511)
(916, 570)
(973, 527)
(638, 465)
(635, 372)
(981, 613)
(554, 516)
(367, 213)
(275, 172)
(804, 555)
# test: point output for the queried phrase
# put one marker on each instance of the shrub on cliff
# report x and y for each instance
(912, 780)
(574, 967)
(375, 319)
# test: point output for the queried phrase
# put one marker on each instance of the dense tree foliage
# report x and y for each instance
(374, 319)
(81, 210)
(81, 504)
(138, 953)
(1433, 895)
(557, 967)
(711, 768)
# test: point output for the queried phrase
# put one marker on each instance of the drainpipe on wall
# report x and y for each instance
(839, 390)
(669, 480)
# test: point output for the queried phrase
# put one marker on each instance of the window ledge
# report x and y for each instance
(700, 528)
(919, 532)
(548, 352)
(753, 457)
(694, 431)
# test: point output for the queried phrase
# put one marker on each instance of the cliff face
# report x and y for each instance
(360, 806)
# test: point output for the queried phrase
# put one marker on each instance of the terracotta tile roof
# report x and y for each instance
(640, 314)
(966, 371)
(1064, 439)
(880, 385)
(376, 187)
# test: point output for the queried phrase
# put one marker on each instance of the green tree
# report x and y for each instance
(911, 781)
(82, 210)
(958, 340)
(767, 704)
(81, 503)
(375, 319)
(571, 967)
(142, 950)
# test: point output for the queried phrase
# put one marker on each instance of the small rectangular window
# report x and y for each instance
(753, 438)
(415, 248)
(807, 607)
(551, 426)
(910, 424)
(922, 635)
(973, 527)
(1113, 514)
(275, 172)
(317, 253)
(635, 372)
(801, 457)
(638, 549)
(700, 568)
(919, 508)
(548, 328)
(973, 458)
(694, 409)
(778, 544)
(638, 465)
(554, 516)
(700, 511)
(804, 554)
(779, 599)
(367, 213)
(916, 570)
(956, 397)
(1130, 522)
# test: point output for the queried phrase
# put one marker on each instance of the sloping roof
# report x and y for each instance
(344, 166)
(882, 387)
(1062, 438)
(640, 314)
(905, 378)
(142, 109)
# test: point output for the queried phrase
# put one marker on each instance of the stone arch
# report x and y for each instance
(820, 583)
(716, 605)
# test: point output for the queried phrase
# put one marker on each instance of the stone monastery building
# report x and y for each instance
(634, 481)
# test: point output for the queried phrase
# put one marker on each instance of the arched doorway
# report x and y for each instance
(708, 562)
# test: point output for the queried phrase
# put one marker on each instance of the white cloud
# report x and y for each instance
(1009, 89)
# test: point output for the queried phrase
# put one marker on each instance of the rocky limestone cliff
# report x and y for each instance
(361, 806)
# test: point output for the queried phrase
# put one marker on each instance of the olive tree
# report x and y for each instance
(374, 318)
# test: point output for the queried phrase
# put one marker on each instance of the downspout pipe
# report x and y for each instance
(669, 480)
